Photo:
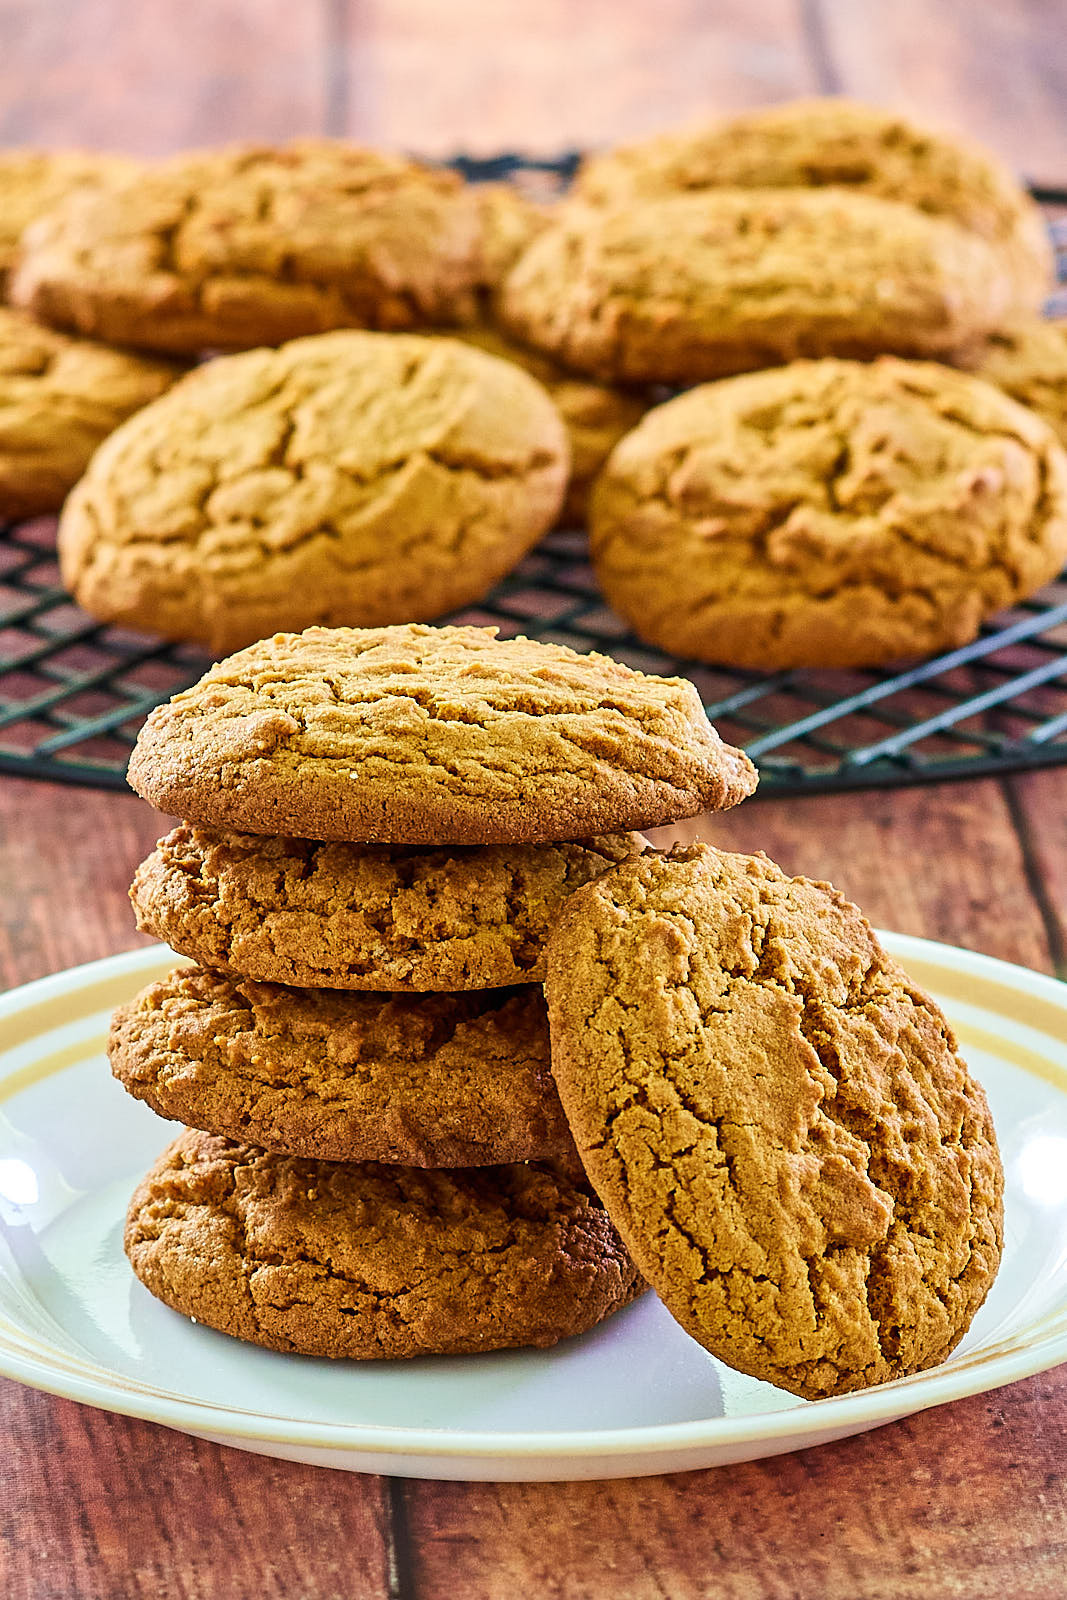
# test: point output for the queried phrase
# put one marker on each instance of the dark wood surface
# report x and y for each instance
(968, 1500)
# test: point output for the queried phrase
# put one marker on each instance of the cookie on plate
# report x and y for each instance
(595, 415)
(32, 182)
(59, 398)
(829, 514)
(360, 478)
(844, 145)
(1028, 360)
(373, 1262)
(778, 1122)
(228, 249)
(429, 1080)
(440, 736)
(700, 286)
(351, 916)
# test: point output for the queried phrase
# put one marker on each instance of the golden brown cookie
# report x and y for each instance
(704, 285)
(373, 1262)
(844, 145)
(435, 736)
(777, 1121)
(227, 249)
(351, 916)
(429, 1080)
(1028, 360)
(595, 415)
(829, 514)
(361, 478)
(32, 182)
(59, 398)
(509, 221)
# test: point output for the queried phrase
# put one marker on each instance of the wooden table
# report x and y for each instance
(969, 1500)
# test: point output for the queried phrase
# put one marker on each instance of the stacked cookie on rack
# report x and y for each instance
(369, 866)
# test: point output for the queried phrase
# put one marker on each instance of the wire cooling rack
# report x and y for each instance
(73, 692)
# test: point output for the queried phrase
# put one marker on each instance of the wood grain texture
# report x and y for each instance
(548, 75)
(150, 79)
(994, 68)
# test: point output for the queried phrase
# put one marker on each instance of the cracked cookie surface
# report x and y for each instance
(778, 1122)
(595, 415)
(829, 514)
(704, 285)
(844, 145)
(59, 399)
(370, 1262)
(344, 916)
(429, 1080)
(228, 249)
(358, 478)
(417, 735)
(1028, 360)
(32, 182)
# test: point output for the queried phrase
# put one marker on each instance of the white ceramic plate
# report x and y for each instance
(635, 1396)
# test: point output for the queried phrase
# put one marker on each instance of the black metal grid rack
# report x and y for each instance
(73, 692)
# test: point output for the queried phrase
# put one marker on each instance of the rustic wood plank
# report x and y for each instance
(156, 78)
(1039, 811)
(995, 70)
(94, 1506)
(545, 76)
(967, 1501)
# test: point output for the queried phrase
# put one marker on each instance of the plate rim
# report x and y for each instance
(835, 1415)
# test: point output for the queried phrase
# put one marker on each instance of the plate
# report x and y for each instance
(634, 1396)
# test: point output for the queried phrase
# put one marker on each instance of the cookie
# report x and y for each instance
(829, 514)
(844, 145)
(32, 182)
(509, 221)
(372, 1262)
(778, 1122)
(437, 736)
(1028, 360)
(59, 398)
(360, 478)
(429, 1080)
(350, 916)
(228, 249)
(704, 285)
(595, 415)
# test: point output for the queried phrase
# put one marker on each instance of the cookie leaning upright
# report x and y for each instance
(250, 245)
(777, 1121)
(32, 182)
(441, 736)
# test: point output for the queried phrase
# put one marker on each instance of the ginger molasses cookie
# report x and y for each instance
(595, 415)
(352, 916)
(228, 249)
(509, 221)
(703, 285)
(373, 1262)
(829, 514)
(778, 1122)
(430, 1080)
(843, 145)
(59, 398)
(441, 736)
(1028, 360)
(32, 182)
(359, 478)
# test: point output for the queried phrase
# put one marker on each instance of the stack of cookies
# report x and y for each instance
(380, 830)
